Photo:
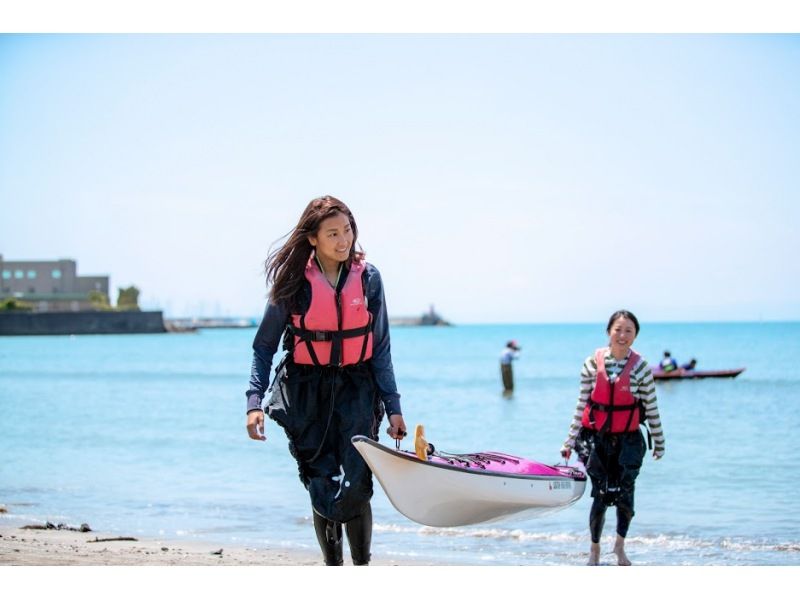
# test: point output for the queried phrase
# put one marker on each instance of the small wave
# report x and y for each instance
(680, 542)
(662, 541)
(7, 518)
(482, 533)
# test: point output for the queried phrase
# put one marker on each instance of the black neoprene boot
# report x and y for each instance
(329, 536)
(359, 536)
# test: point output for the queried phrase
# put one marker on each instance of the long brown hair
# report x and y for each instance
(285, 266)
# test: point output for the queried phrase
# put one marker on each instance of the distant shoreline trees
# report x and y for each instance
(128, 299)
(12, 304)
(99, 301)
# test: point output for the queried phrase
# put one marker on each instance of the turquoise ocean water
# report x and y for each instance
(145, 435)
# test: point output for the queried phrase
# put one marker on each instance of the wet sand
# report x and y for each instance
(62, 547)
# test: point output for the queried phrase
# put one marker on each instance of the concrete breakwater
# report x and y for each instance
(81, 322)
(195, 324)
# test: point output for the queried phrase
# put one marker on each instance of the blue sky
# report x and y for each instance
(503, 178)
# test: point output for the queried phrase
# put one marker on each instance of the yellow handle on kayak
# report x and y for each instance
(420, 444)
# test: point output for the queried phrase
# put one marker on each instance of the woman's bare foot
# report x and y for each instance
(594, 554)
(619, 550)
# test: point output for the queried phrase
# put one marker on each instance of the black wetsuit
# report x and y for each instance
(613, 462)
(321, 409)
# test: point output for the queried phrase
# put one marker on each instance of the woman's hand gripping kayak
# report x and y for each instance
(397, 427)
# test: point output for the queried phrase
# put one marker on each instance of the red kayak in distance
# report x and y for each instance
(681, 374)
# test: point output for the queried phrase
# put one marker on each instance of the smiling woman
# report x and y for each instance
(617, 396)
(336, 379)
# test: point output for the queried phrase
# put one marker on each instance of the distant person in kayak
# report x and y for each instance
(617, 394)
(336, 378)
(509, 354)
(668, 364)
(690, 366)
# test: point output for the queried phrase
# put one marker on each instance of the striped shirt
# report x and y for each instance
(643, 388)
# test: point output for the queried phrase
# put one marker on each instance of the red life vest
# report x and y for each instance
(337, 328)
(615, 399)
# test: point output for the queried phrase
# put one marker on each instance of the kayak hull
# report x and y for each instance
(442, 495)
(681, 374)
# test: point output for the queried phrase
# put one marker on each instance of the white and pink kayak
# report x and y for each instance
(447, 490)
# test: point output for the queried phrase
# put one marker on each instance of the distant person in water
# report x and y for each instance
(617, 395)
(690, 366)
(509, 354)
(668, 364)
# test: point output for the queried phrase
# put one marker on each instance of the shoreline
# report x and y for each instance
(55, 547)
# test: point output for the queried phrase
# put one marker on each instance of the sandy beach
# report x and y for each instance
(51, 547)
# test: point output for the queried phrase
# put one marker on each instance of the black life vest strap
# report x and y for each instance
(631, 414)
(615, 408)
(607, 424)
(366, 340)
(307, 341)
(309, 337)
(328, 335)
(611, 408)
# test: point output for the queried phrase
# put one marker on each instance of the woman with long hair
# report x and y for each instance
(336, 378)
(618, 394)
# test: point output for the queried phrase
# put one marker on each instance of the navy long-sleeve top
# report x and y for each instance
(273, 325)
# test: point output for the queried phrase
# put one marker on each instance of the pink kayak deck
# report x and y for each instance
(500, 463)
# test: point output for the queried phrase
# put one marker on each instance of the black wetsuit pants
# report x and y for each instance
(613, 462)
(321, 409)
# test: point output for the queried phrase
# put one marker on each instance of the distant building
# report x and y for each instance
(49, 286)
